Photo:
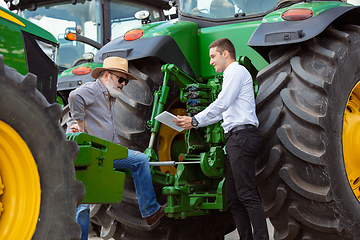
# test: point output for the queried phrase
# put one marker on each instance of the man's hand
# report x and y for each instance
(75, 128)
(184, 122)
(78, 127)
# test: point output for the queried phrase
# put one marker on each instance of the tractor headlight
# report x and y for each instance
(49, 49)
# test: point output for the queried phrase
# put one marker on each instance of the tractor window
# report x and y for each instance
(225, 9)
(122, 16)
(60, 18)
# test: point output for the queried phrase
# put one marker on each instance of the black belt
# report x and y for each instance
(238, 128)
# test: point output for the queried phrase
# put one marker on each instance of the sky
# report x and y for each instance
(355, 2)
(3, 4)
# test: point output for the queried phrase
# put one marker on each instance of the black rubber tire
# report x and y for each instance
(26, 110)
(132, 111)
(300, 169)
(133, 108)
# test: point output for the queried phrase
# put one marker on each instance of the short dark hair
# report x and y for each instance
(223, 44)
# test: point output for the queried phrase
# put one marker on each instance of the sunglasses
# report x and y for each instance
(120, 79)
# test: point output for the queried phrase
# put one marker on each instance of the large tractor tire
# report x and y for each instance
(132, 110)
(39, 192)
(308, 170)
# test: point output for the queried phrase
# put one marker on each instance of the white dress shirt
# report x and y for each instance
(235, 103)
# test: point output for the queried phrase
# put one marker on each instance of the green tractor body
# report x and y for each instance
(94, 168)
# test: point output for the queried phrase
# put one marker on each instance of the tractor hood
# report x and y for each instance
(163, 40)
(32, 4)
(275, 31)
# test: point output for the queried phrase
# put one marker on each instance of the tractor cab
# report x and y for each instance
(225, 9)
(220, 12)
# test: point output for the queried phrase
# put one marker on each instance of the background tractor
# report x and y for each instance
(39, 192)
(303, 56)
(81, 28)
(92, 23)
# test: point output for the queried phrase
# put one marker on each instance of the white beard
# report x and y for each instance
(113, 89)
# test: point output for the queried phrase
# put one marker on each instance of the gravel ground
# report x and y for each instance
(231, 236)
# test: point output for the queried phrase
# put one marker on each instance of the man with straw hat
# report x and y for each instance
(91, 108)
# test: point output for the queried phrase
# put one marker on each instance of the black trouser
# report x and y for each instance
(241, 193)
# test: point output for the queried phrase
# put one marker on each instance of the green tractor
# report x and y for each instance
(39, 192)
(304, 59)
(82, 28)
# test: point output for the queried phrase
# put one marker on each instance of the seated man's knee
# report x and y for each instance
(142, 158)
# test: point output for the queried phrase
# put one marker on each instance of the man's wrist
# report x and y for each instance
(81, 125)
(194, 122)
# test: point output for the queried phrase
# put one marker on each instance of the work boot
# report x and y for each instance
(154, 219)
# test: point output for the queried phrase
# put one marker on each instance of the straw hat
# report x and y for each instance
(114, 64)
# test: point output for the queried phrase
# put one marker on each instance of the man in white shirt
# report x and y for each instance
(235, 105)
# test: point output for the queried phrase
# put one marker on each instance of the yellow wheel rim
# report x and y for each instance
(351, 140)
(167, 136)
(19, 187)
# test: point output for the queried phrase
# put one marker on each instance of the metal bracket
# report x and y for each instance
(94, 168)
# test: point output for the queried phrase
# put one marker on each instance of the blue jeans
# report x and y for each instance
(83, 219)
(140, 171)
